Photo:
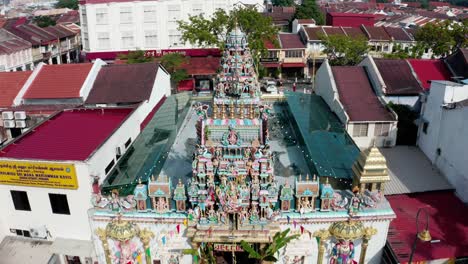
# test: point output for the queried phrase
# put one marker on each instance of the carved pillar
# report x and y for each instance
(241, 109)
(232, 110)
(103, 237)
(145, 236)
(368, 233)
(322, 235)
(215, 111)
(251, 112)
(223, 111)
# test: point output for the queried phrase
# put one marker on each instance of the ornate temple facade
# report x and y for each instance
(233, 193)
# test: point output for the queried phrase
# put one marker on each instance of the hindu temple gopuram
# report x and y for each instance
(233, 192)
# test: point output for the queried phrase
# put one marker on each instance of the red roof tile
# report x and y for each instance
(291, 41)
(202, 65)
(9, 43)
(398, 77)
(315, 33)
(376, 33)
(448, 223)
(430, 70)
(70, 135)
(398, 34)
(306, 21)
(356, 95)
(10, 84)
(58, 81)
(333, 31)
(354, 32)
(123, 83)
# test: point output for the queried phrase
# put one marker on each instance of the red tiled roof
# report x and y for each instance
(201, 65)
(123, 83)
(333, 31)
(398, 77)
(58, 81)
(436, 3)
(398, 34)
(315, 33)
(354, 32)
(306, 21)
(70, 17)
(448, 222)
(70, 135)
(356, 95)
(291, 41)
(430, 70)
(376, 33)
(10, 84)
(9, 43)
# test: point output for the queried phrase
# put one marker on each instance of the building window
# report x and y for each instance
(294, 54)
(149, 13)
(360, 130)
(127, 39)
(425, 127)
(273, 54)
(102, 16)
(381, 129)
(20, 200)
(59, 203)
(127, 144)
(385, 48)
(86, 40)
(173, 12)
(151, 39)
(103, 40)
(109, 167)
(197, 9)
(126, 15)
(174, 38)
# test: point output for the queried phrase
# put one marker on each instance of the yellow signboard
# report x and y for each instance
(38, 174)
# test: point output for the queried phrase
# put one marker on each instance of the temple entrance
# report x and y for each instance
(227, 257)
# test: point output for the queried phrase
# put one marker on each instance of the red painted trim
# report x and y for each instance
(151, 114)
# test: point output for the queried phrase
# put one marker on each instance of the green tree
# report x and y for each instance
(443, 38)
(344, 50)
(43, 21)
(172, 62)
(415, 51)
(202, 256)
(72, 4)
(211, 31)
(267, 253)
(310, 9)
(137, 56)
(283, 2)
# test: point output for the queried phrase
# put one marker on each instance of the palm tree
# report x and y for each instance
(267, 253)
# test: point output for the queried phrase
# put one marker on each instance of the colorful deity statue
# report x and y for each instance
(343, 253)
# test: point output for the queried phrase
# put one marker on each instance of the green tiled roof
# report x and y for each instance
(148, 152)
(328, 148)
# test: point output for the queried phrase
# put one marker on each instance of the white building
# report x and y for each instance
(15, 53)
(442, 132)
(80, 147)
(349, 94)
(117, 26)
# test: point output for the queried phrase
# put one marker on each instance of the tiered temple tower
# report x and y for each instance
(233, 184)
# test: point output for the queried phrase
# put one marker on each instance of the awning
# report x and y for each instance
(293, 65)
(186, 85)
(270, 65)
(72, 247)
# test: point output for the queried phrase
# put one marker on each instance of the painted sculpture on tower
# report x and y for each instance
(343, 253)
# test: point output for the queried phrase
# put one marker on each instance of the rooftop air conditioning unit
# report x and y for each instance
(7, 115)
(9, 123)
(38, 232)
(20, 123)
(20, 115)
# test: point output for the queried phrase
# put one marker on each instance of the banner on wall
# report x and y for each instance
(38, 174)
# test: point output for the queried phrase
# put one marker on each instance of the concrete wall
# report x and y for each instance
(326, 88)
(447, 130)
(74, 226)
(368, 141)
(164, 24)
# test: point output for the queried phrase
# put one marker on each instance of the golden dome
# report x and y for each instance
(371, 166)
(121, 230)
(347, 230)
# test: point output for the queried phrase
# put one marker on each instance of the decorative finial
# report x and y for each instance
(307, 177)
(326, 180)
(139, 180)
(314, 178)
(152, 177)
